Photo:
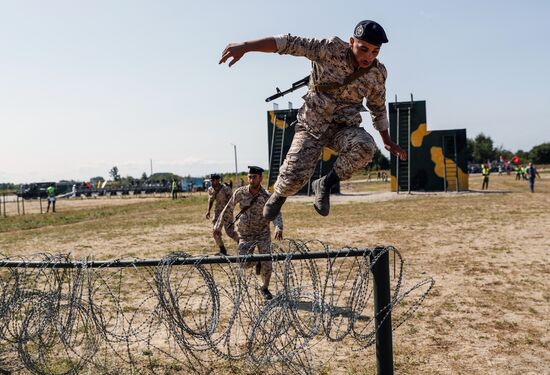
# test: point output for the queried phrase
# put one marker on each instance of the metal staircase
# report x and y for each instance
(450, 170)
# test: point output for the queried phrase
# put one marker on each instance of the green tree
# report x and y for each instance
(144, 176)
(483, 149)
(540, 154)
(470, 146)
(379, 161)
(523, 156)
(114, 173)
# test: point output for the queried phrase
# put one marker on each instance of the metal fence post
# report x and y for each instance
(382, 311)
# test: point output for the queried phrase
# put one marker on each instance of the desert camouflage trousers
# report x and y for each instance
(246, 246)
(354, 145)
(229, 229)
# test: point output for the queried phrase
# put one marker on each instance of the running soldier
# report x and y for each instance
(252, 227)
(342, 75)
(220, 194)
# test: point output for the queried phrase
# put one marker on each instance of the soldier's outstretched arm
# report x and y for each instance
(210, 203)
(278, 227)
(237, 50)
(393, 148)
(225, 215)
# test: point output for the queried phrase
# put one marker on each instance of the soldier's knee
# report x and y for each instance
(267, 268)
(364, 146)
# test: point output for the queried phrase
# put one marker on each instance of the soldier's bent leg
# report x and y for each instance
(264, 247)
(297, 168)
(219, 242)
(299, 163)
(230, 230)
(245, 248)
(356, 149)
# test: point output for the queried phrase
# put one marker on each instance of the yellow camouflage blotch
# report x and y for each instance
(418, 135)
(437, 158)
(327, 153)
(280, 123)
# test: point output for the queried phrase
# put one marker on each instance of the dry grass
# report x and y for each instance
(488, 253)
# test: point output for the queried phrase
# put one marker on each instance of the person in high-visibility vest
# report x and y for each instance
(518, 172)
(174, 189)
(485, 172)
(51, 198)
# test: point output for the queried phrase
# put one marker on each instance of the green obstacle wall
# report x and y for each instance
(280, 132)
(437, 159)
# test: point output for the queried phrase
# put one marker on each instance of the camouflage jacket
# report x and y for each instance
(251, 225)
(331, 62)
(220, 198)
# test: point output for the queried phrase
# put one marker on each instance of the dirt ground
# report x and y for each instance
(487, 251)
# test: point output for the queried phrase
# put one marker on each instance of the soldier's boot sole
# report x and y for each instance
(322, 197)
(266, 294)
(273, 206)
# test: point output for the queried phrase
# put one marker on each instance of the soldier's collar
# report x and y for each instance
(259, 190)
(351, 59)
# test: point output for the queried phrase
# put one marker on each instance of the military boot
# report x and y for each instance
(223, 251)
(321, 188)
(266, 294)
(273, 206)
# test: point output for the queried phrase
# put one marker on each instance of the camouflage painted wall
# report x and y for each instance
(437, 159)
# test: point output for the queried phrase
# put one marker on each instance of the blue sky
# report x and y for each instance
(86, 85)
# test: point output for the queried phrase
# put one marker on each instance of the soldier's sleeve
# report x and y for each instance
(313, 49)
(228, 192)
(210, 197)
(227, 213)
(376, 102)
(278, 221)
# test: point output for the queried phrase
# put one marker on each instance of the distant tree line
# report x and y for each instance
(481, 148)
(118, 180)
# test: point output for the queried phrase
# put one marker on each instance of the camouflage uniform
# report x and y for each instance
(252, 227)
(331, 118)
(220, 199)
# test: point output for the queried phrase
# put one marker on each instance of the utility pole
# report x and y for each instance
(151, 164)
(236, 170)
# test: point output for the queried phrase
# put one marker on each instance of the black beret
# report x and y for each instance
(255, 170)
(215, 176)
(370, 32)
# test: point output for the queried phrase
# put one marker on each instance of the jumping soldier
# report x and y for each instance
(252, 227)
(220, 194)
(342, 75)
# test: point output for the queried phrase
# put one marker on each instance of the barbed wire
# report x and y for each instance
(199, 318)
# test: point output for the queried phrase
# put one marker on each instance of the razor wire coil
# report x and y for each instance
(61, 319)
